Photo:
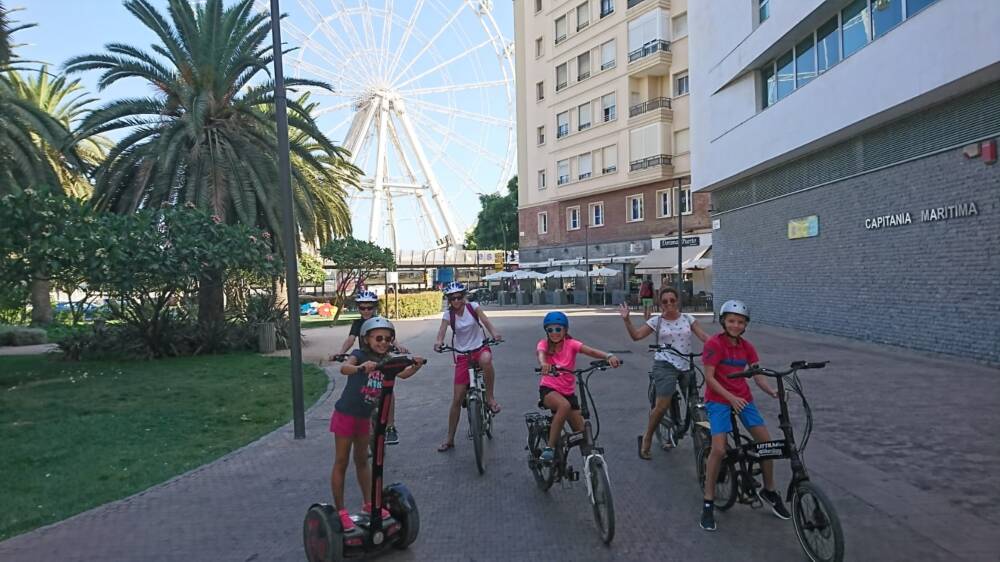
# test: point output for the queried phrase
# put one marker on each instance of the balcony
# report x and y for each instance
(659, 161)
(583, 76)
(652, 59)
(633, 3)
(609, 169)
(648, 105)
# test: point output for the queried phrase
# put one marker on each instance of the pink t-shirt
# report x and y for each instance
(564, 357)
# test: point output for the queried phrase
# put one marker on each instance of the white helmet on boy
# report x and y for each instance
(734, 307)
(366, 296)
(376, 323)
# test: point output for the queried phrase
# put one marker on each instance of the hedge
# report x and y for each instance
(19, 335)
(413, 305)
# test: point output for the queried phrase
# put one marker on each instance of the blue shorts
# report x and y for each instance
(718, 417)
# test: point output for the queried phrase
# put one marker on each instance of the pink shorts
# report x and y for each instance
(462, 365)
(346, 425)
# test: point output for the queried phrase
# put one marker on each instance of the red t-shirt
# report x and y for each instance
(728, 358)
(563, 383)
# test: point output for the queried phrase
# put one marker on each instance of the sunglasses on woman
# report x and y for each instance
(554, 330)
(380, 339)
(366, 308)
(455, 297)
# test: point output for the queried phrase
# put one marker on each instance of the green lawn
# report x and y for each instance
(320, 322)
(77, 435)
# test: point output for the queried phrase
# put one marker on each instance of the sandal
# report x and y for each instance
(445, 447)
(644, 454)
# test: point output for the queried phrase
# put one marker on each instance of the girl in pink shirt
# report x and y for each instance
(557, 350)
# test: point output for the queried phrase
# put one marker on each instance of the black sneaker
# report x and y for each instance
(708, 516)
(391, 435)
(774, 500)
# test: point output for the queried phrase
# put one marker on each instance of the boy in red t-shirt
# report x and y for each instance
(725, 354)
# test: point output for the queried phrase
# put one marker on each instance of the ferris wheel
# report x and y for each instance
(423, 97)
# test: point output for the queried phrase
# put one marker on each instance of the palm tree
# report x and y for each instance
(206, 137)
(66, 102)
(34, 148)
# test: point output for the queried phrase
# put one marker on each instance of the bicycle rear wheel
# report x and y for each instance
(816, 524)
(601, 500)
(725, 482)
(544, 473)
(476, 432)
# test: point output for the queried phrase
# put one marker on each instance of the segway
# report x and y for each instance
(323, 535)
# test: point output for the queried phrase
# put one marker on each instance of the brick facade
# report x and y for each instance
(931, 285)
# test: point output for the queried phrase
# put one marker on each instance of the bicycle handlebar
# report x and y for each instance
(671, 349)
(594, 365)
(795, 366)
(488, 342)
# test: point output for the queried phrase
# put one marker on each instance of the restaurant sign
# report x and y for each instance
(932, 214)
(672, 242)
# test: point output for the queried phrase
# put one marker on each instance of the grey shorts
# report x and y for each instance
(665, 378)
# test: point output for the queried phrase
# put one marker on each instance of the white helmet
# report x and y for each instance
(376, 323)
(366, 296)
(454, 287)
(734, 307)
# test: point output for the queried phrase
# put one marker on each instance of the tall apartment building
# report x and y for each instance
(603, 134)
(850, 150)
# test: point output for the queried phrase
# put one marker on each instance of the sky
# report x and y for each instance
(467, 149)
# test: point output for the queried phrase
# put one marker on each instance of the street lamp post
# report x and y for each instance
(290, 233)
(586, 256)
(680, 248)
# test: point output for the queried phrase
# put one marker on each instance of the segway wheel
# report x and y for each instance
(322, 534)
(403, 508)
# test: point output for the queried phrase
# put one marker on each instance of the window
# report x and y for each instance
(560, 29)
(541, 135)
(609, 159)
(562, 124)
(827, 46)
(686, 200)
(543, 222)
(541, 179)
(763, 10)
(665, 197)
(562, 170)
(540, 91)
(573, 218)
(608, 55)
(539, 47)
(645, 142)
(633, 208)
(582, 16)
(680, 84)
(682, 141)
(914, 6)
(786, 74)
(680, 26)
(805, 62)
(597, 214)
(607, 7)
(770, 89)
(562, 76)
(608, 106)
(538, 6)
(584, 166)
(648, 33)
(856, 31)
(886, 14)
(583, 66)
(583, 117)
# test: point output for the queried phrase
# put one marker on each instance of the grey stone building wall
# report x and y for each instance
(931, 286)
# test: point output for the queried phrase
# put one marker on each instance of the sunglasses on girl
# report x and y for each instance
(380, 339)
(554, 330)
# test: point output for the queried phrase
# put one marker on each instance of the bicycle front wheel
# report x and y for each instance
(601, 500)
(476, 432)
(816, 524)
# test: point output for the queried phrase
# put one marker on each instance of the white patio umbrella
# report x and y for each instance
(604, 272)
(528, 274)
(567, 274)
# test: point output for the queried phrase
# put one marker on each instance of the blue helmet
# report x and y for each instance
(555, 317)
(454, 287)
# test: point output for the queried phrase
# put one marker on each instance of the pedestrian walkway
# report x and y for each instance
(900, 444)
(28, 349)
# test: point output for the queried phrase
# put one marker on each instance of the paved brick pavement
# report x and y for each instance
(902, 444)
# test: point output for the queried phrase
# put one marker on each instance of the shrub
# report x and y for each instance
(19, 335)
(413, 305)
